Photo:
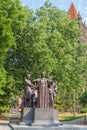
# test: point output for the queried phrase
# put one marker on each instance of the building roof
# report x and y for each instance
(72, 12)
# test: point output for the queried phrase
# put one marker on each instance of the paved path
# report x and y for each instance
(4, 126)
(77, 124)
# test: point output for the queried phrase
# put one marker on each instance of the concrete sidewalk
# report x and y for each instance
(72, 125)
(4, 126)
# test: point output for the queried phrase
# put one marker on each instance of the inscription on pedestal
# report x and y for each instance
(45, 117)
(43, 114)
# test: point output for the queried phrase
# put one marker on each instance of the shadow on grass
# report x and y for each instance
(69, 118)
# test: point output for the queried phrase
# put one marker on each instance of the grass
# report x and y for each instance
(69, 116)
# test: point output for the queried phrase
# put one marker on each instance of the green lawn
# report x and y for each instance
(69, 116)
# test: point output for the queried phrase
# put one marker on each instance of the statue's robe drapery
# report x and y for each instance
(43, 94)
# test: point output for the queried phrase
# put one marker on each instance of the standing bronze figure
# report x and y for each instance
(46, 90)
(28, 92)
(42, 89)
(52, 93)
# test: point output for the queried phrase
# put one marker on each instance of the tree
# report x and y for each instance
(83, 99)
(12, 21)
(17, 59)
(50, 43)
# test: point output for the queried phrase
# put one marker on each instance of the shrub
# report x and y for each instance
(84, 110)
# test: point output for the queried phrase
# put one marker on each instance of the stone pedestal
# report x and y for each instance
(28, 116)
(40, 117)
(60, 127)
(37, 119)
(45, 117)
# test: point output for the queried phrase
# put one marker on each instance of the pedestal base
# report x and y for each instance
(45, 117)
(40, 117)
(60, 127)
(27, 116)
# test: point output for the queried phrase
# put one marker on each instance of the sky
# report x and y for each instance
(80, 5)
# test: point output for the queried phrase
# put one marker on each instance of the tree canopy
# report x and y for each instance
(12, 21)
(48, 42)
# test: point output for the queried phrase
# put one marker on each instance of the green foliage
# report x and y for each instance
(49, 42)
(83, 110)
(12, 21)
(83, 99)
(18, 57)
(12, 18)
(6, 93)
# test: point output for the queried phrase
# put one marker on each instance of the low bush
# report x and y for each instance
(83, 110)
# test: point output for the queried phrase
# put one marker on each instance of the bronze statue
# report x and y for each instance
(46, 89)
(28, 92)
(42, 89)
(40, 95)
(52, 93)
(40, 99)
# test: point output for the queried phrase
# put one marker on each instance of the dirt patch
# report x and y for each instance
(3, 118)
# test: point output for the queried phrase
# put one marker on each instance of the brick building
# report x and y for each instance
(74, 14)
